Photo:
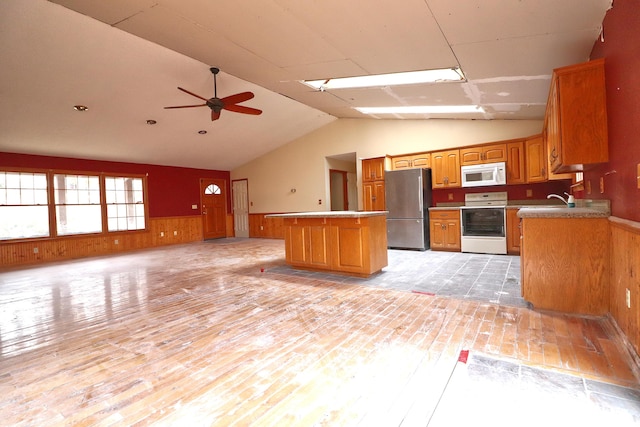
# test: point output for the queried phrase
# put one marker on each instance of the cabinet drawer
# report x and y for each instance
(449, 214)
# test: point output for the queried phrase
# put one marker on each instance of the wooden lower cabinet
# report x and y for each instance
(513, 232)
(444, 230)
(565, 264)
(355, 246)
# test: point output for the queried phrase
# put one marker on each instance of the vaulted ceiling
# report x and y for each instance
(124, 60)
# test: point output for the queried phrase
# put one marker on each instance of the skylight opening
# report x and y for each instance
(422, 109)
(393, 79)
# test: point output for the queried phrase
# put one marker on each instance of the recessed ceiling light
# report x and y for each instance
(80, 107)
(202, 132)
(151, 122)
(422, 109)
(394, 79)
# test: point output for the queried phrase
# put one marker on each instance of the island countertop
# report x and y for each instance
(329, 214)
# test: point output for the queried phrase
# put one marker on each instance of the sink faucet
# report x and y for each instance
(558, 197)
(570, 201)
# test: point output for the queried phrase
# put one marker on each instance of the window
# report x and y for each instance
(77, 200)
(24, 210)
(125, 203)
(36, 204)
(212, 189)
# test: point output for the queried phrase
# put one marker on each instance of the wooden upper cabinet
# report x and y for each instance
(536, 159)
(373, 169)
(490, 153)
(445, 169)
(516, 163)
(422, 160)
(575, 125)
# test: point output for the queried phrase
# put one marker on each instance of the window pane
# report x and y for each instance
(26, 196)
(78, 219)
(13, 196)
(19, 222)
(40, 196)
(125, 203)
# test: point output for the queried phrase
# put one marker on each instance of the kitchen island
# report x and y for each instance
(347, 242)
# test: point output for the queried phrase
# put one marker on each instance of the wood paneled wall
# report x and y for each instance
(161, 232)
(270, 228)
(625, 275)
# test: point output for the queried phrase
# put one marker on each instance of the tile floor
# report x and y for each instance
(478, 277)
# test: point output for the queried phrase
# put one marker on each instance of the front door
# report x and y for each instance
(214, 208)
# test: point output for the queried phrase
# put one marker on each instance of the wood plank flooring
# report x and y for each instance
(197, 334)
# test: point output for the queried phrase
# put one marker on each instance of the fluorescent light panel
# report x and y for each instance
(422, 109)
(394, 79)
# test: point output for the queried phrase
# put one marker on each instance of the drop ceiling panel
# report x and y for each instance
(110, 12)
(468, 22)
(380, 36)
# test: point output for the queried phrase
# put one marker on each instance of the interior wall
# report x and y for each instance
(301, 163)
(620, 46)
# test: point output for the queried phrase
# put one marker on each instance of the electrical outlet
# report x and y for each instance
(162, 234)
(115, 242)
(638, 175)
(261, 227)
(175, 233)
(602, 185)
(450, 196)
(628, 298)
(194, 207)
(529, 192)
(35, 250)
(588, 186)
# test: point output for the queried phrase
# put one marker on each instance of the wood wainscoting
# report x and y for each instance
(268, 228)
(161, 232)
(624, 296)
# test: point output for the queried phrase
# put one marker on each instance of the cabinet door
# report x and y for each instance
(438, 170)
(421, 160)
(402, 162)
(367, 196)
(452, 160)
(515, 163)
(494, 153)
(373, 169)
(452, 236)
(379, 200)
(445, 169)
(436, 233)
(513, 232)
(471, 156)
(536, 160)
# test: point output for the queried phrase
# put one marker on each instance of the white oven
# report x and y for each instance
(486, 174)
(483, 223)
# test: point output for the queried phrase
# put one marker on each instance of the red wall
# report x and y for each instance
(621, 50)
(514, 192)
(171, 190)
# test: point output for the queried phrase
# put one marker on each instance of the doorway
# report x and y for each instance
(214, 208)
(339, 190)
(240, 194)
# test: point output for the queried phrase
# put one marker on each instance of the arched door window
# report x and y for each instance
(212, 189)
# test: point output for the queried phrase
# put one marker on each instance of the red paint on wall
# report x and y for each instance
(514, 192)
(621, 50)
(171, 190)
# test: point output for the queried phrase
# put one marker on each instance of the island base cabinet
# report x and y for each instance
(356, 246)
(564, 264)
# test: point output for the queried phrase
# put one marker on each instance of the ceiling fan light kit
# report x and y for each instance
(229, 103)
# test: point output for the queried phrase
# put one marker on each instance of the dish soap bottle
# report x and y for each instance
(571, 201)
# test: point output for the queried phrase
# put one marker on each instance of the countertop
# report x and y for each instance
(553, 212)
(329, 214)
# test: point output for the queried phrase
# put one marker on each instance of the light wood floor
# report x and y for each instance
(198, 335)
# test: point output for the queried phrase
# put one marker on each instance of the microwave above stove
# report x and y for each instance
(486, 174)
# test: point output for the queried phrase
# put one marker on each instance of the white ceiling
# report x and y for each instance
(126, 63)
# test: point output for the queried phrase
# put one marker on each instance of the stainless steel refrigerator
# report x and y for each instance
(408, 197)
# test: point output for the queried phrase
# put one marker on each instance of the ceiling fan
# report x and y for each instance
(216, 104)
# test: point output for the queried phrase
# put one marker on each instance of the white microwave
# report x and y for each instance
(486, 174)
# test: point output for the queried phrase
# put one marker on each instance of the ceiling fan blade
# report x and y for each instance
(192, 94)
(186, 106)
(237, 98)
(242, 109)
(215, 115)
